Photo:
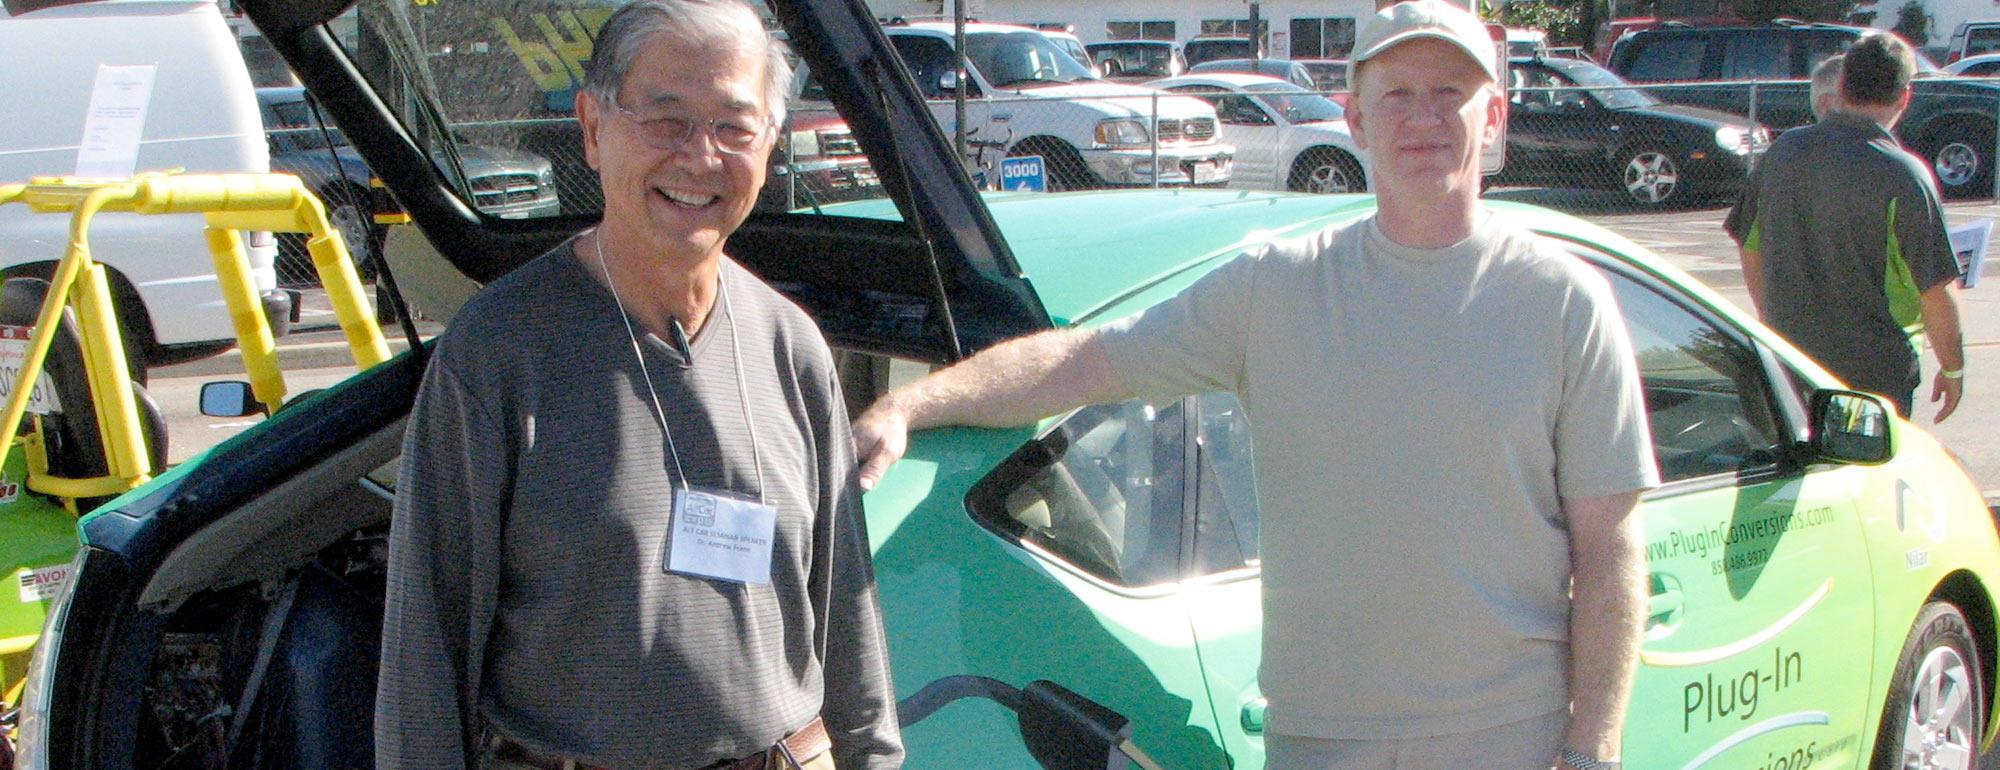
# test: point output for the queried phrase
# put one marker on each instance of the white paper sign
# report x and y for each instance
(1968, 245)
(13, 355)
(722, 537)
(115, 122)
(44, 583)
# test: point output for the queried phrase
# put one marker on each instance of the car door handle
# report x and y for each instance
(1253, 716)
(1666, 602)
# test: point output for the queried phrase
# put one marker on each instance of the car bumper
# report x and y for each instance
(1177, 166)
(281, 310)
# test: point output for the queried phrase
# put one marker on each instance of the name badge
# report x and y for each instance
(720, 537)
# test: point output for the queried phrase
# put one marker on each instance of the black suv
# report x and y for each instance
(1950, 122)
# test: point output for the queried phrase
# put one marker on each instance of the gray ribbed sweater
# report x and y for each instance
(527, 586)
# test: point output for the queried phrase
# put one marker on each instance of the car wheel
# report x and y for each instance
(1934, 714)
(1064, 168)
(1961, 155)
(356, 226)
(1327, 170)
(1653, 178)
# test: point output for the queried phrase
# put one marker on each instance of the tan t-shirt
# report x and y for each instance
(1417, 415)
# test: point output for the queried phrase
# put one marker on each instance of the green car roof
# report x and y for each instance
(1085, 251)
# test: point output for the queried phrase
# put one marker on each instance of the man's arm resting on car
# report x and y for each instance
(1607, 617)
(1939, 307)
(1013, 383)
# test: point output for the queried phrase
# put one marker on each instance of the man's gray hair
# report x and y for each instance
(699, 23)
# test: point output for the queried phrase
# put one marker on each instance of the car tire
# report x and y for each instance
(1065, 168)
(1961, 155)
(1934, 714)
(1651, 177)
(1327, 170)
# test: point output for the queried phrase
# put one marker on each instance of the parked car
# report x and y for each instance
(505, 183)
(1525, 42)
(1030, 98)
(1973, 38)
(1068, 43)
(1136, 61)
(1282, 69)
(1286, 137)
(1950, 123)
(1203, 48)
(820, 162)
(1981, 66)
(1821, 572)
(1327, 75)
(1611, 136)
(200, 117)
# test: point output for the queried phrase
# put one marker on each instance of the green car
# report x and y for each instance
(1821, 571)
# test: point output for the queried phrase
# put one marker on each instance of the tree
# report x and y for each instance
(1562, 19)
(1913, 23)
(1805, 10)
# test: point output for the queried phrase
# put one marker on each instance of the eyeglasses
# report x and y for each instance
(668, 132)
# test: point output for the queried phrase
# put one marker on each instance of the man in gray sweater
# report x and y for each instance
(627, 531)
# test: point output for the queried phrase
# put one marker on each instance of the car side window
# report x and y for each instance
(1110, 502)
(1707, 397)
(1672, 58)
(1239, 110)
(1746, 57)
(1226, 514)
(1982, 40)
(928, 59)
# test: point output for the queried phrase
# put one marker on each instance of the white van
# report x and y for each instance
(202, 118)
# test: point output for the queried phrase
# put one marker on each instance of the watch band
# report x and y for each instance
(1582, 761)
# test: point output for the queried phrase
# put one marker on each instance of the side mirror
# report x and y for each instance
(1851, 427)
(948, 81)
(229, 399)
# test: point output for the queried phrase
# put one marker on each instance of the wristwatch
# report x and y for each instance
(1582, 761)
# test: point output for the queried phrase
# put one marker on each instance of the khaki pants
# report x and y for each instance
(1530, 744)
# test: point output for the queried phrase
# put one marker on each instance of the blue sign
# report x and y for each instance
(1024, 173)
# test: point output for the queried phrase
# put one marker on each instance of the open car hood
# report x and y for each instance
(409, 82)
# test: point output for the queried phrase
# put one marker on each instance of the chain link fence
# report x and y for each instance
(1580, 147)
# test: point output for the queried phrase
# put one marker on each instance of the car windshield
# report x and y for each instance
(1296, 104)
(1198, 51)
(1134, 59)
(1610, 89)
(1328, 75)
(294, 120)
(1021, 58)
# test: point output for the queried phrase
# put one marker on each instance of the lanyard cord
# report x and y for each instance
(736, 347)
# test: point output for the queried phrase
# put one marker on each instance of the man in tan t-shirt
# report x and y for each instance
(1450, 441)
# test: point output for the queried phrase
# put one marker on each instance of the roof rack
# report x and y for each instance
(904, 21)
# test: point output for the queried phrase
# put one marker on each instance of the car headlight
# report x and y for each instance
(32, 741)
(1733, 139)
(1123, 132)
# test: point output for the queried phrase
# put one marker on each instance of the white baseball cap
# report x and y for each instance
(1426, 18)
